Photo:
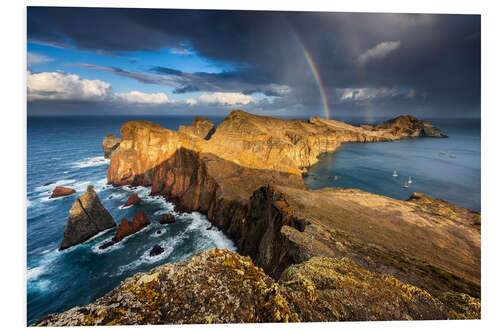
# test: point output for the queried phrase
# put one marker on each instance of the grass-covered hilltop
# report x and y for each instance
(303, 255)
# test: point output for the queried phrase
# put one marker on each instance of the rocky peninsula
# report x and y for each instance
(307, 248)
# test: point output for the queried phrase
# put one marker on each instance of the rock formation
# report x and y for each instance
(109, 144)
(201, 127)
(60, 191)
(318, 254)
(219, 286)
(156, 250)
(132, 200)
(126, 228)
(247, 179)
(167, 219)
(408, 126)
(87, 217)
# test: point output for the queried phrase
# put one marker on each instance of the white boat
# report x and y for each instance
(395, 174)
(409, 180)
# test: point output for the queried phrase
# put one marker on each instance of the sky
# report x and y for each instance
(114, 61)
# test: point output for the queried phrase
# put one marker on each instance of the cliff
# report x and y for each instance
(201, 127)
(219, 286)
(109, 144)
(247, 178)
(319, 255)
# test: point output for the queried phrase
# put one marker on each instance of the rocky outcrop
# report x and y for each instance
(247, 178)
(87, 217)
(167, 219)
(219, 286)
(156, 250)
(109, 144)
(132, 200)
(201, 127)
(126, 228)
(408, 126)
(60, 191)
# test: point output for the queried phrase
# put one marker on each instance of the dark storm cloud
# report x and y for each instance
(438, 56)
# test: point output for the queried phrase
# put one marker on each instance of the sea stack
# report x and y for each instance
(110, 143)
(86, 219)
(132, 200)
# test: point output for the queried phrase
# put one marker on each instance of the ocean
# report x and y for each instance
(445, 168)
(67, 152)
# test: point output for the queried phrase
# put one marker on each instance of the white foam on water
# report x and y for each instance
(90, 162)
(49, 188)
(215, 235)
(97, 235)
(34, 273)
(168, 247)
(117, 245)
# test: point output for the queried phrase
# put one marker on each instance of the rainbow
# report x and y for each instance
(316, 75)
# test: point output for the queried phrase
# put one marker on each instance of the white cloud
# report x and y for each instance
(365, 94)
(36, 59)
(65, 86)
(223, 98)
(137, 97)
(177, 50)
(379, 51)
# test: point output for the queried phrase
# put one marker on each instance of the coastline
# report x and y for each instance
(263, 215)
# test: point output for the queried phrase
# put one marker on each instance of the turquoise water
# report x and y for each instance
(454, 176)
(67, 151)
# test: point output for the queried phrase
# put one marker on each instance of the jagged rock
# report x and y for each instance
(132, 200)
(156, 250)
(87, 217)
(167, 219)
(207, 288)
(127, 228)
(201, 127)
(109, 144)
(60, 191)
(158, 232)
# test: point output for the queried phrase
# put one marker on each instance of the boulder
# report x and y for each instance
(132, 200)
(109, 144)
(167, 219)
(87, 217)
(60, 191)
(127, 228)
(156, 250)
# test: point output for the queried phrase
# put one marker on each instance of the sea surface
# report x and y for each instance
(445, 168)
(67, 152)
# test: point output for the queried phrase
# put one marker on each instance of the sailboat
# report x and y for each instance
(409, 180)
(395, 174)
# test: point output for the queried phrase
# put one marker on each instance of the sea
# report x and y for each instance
(66, 151)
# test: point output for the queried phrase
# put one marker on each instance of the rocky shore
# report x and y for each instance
(420, 258)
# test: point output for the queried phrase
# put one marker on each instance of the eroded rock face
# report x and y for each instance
(60, 191)
(167, 219)
(132, 200)
(247, 179)
(126, 228)
(87, 217)
(201, 127)
(109, 144)
(219, 286)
